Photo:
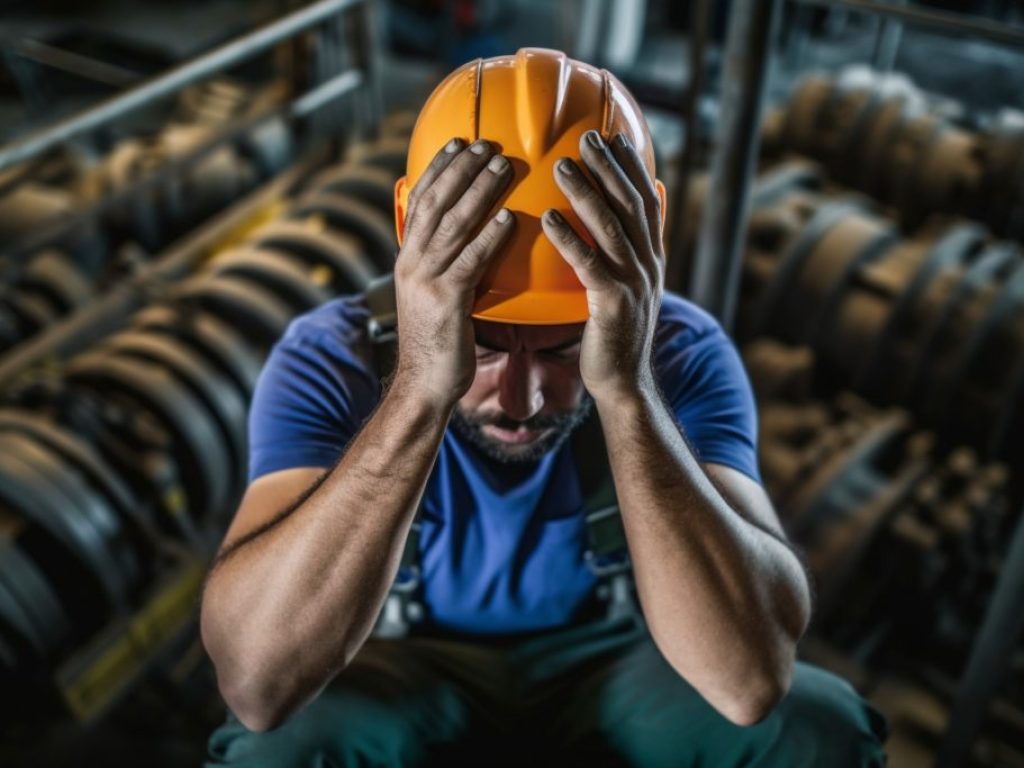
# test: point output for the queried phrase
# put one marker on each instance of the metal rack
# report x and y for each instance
(93, 680)
(715, 278)
(321, 88)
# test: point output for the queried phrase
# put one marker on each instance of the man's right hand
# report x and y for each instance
(444, 254)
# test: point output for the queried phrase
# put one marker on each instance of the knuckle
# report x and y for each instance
(636, 206)
(449, 224)
(427, 200)
(612, 230)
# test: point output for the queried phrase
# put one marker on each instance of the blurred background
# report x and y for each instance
(180, 179)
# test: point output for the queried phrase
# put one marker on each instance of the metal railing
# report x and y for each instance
(206, 65)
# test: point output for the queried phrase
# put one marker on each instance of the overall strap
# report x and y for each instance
(382, 324)
(607, 553)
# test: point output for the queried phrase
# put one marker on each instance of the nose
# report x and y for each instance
(519, 388)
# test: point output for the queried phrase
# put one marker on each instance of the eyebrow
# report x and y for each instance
(557, 348)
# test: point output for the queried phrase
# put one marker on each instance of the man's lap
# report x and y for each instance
(601, 692)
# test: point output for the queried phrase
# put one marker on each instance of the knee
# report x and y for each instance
(824, 721)
(344, 727)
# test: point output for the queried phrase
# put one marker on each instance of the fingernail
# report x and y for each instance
(502, 216)
(451, 146)
(478, 147)
(553, 216)
(620, 139)
(594, 138)
(497, 164)
(565, 166)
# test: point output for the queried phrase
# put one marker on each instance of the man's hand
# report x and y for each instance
(443, 257)
(623, 271)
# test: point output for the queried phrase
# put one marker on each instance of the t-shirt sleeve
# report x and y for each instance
(706, 386)
(311, 399)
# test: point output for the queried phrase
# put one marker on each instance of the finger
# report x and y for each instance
(471, 263)
(599, 219)
(449, 186)
(619, 191)
(462, 221)
(440, 161)
(633, 166)
(591, 269)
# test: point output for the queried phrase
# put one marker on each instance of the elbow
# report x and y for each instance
(258, 703)
(752, 709)
(759, 699)
(254, 708)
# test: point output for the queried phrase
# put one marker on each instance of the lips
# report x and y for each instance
(517, 436)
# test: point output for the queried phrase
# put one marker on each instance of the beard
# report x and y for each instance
(470, 427)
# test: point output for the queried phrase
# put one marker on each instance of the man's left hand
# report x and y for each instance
(622, 270)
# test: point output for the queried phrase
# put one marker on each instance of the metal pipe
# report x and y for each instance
(678, 268)
(990, 658)
(304, 105)
(957, 24)
(202, 67)
(716, 273)
(887, 44)
(76, 64)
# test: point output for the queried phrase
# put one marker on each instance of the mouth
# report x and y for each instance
(519, 436)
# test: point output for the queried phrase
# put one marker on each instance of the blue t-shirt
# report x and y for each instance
(501, 549)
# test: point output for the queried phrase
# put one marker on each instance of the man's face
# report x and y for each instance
(527, 396)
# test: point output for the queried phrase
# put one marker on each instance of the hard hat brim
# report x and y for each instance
(533, 307)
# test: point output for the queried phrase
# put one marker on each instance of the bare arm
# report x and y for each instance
(296, 593)
(726, 600)
(285, 612)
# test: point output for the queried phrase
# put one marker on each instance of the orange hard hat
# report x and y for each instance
(533, 107)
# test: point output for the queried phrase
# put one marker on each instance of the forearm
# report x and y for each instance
(285, 612)
(725, 601)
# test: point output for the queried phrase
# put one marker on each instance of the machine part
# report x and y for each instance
(28, 589)
(879, 134)
(121, 567)
(64, 543)
(80, 454)
(199, 452)
(801, 118)
(53, 273)
(29, 647)
(840, 511)
(258, 313)
(32, 311)
(388, 153)
(773, 299)
(905, 157)
(375, 186)
(350, 270)
(222, 400)
(977, 374)
(268, 147)
(220, 344)
(921, 319)
(930, 379)
(347, 214)
(285, 275)
(895, 340)
(855, 241)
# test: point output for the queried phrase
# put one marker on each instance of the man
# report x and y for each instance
(516, 324)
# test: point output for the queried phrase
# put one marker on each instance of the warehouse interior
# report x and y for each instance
(179, 180)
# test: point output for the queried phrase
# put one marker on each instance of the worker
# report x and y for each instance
(529, 303)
